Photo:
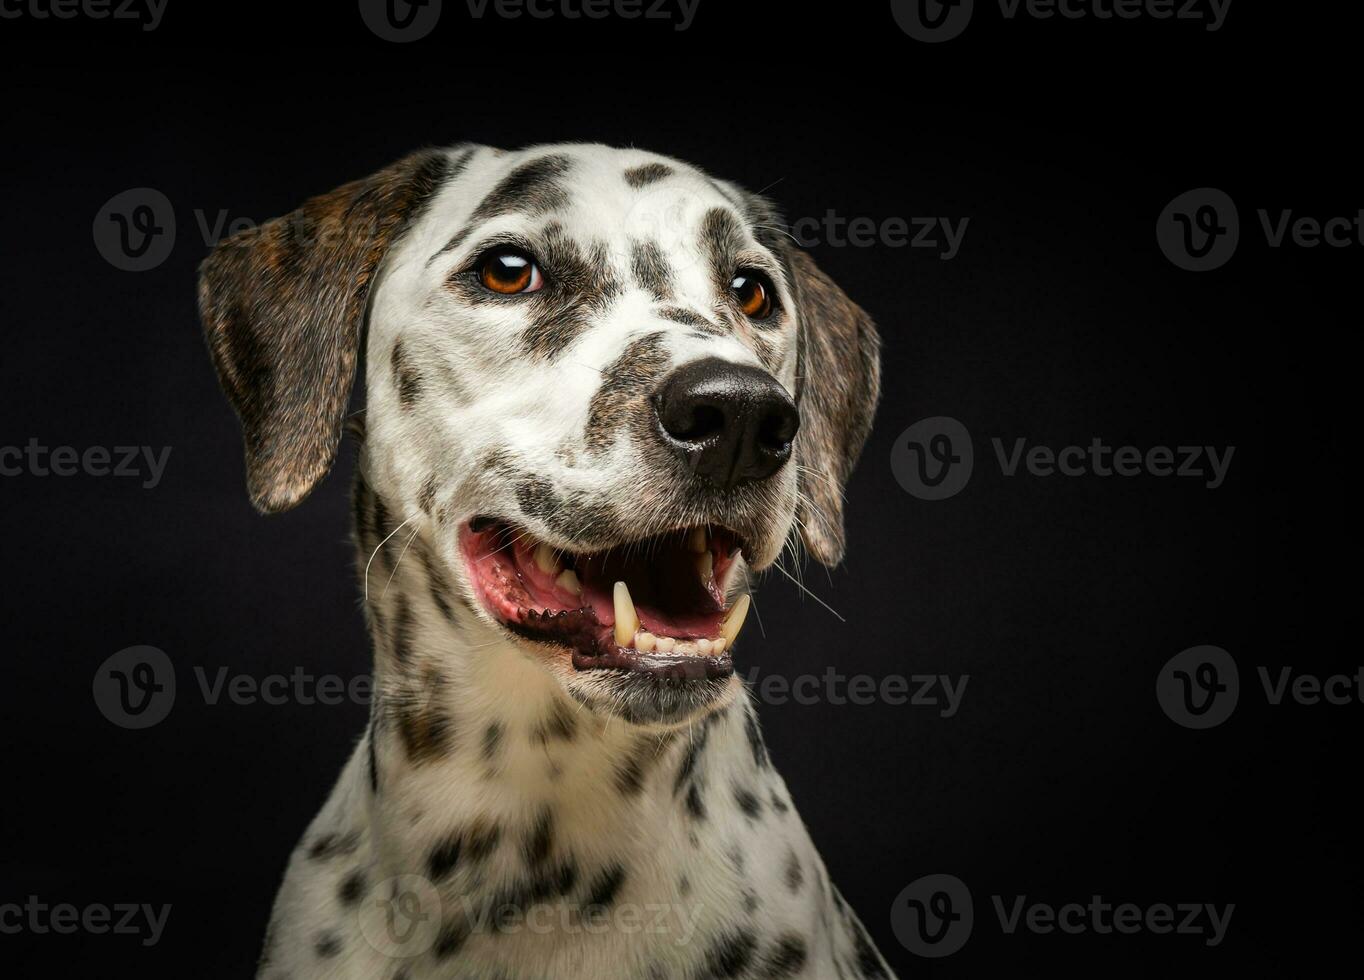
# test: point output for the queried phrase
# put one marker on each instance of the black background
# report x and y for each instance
(1060, 321)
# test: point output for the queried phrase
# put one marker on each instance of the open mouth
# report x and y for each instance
(656, 605)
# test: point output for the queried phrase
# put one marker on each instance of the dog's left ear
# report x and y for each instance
(838, 382)
(283, 308)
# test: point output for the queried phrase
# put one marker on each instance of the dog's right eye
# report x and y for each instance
(509, 271)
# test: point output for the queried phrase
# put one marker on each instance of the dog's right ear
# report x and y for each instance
(283, 308)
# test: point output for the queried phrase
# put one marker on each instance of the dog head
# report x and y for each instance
(601, 387)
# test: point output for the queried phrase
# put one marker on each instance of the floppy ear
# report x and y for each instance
(283, 308)
(837, 386)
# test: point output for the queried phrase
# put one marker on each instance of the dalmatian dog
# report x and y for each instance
(603, 392)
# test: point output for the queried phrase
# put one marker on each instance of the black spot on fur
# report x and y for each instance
(651, 270)
(868, 962)
(755, 738)
(778, 804)
(451, 937)
(406, 377)
(400, 633)
(492, 741)
(423, 724)
(729, 956)
(786, 958)
(534, 188)
(352, 888)
(794, 873)
(328, 944)
(649, 173)
(749, 805)
(540, 841)
(373, 751)
(695, 806)
(443, 859)
(557, 724)
(606, 885)
(471, 845)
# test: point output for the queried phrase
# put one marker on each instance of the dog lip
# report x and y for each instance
(514, 579)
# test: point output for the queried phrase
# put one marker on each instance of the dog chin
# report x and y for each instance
(644, 629)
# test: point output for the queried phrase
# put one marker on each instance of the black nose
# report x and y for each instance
(730, 423)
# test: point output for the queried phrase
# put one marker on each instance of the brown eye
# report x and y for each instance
(754, 293)
(508, 271)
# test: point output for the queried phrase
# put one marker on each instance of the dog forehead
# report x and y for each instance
(592, 192)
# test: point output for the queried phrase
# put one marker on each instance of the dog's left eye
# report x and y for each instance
(509, 271)
(754, 292)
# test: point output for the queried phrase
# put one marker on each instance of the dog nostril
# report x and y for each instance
(730, 423)
(778, 429)
(693, 422)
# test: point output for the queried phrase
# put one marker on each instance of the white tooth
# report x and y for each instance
(645, 642)
(705, 567)
(697, 540)
(627, 620)
(717, 647)
(703, 647)
(568, 581)
(734, 622)
(665, 644)
(545, 558)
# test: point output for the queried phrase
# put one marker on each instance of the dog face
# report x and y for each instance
(601, 388)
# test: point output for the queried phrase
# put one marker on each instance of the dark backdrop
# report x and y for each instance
(1059, 321)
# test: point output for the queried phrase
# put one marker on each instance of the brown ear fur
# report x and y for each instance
(838, 385)
(283, 308)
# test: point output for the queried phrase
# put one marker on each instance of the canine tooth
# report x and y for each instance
(665, 644)
(546, 559)
(627, 620)
(645, 642)
(697, 541)
(705, 567)
(717, 647)
(568, 581)
(703, 647)
(734, 622)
